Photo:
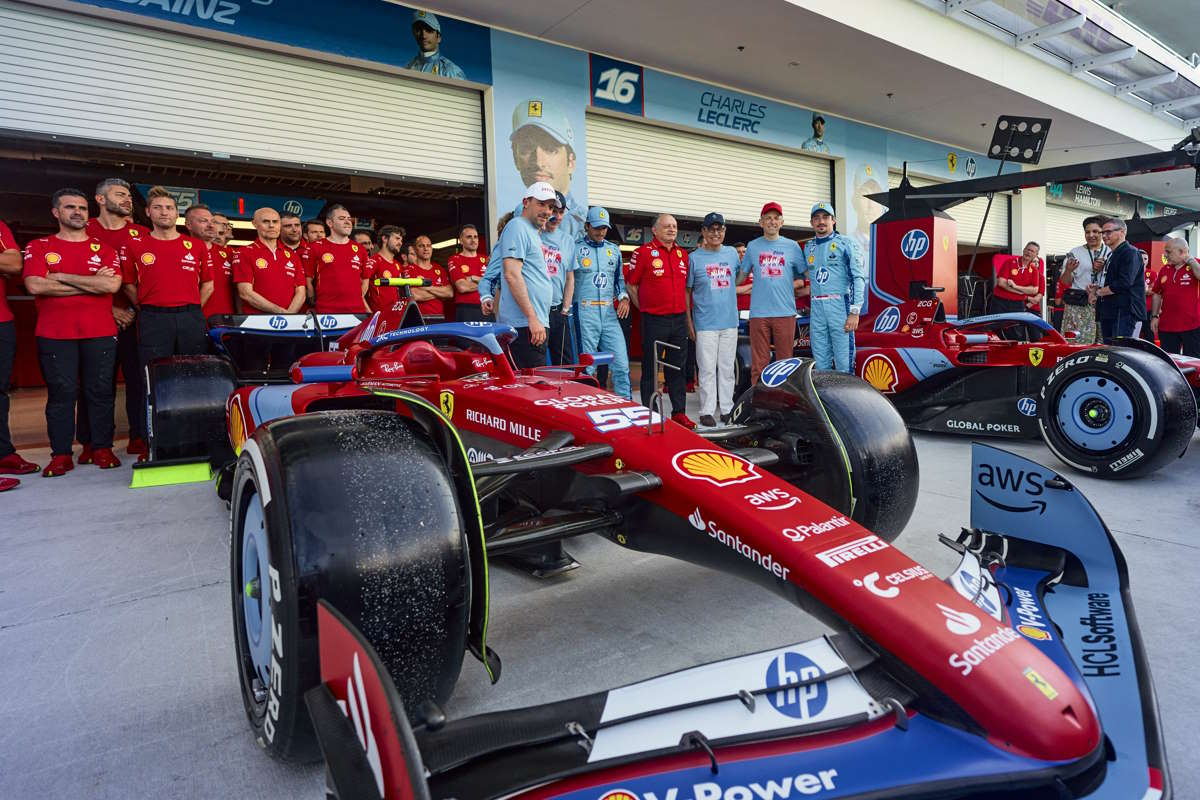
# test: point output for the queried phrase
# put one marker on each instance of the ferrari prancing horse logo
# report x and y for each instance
(446, 400)
(1035, 355)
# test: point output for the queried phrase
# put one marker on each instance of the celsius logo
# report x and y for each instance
(889, 320)
(278, 323)
(801, 702)
(959, 622)
(871, 579)
(1027, 406)
(914, 244)
(779, 371)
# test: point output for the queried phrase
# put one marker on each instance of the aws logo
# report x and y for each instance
(1022, 487)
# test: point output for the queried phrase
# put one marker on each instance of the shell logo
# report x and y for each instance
(387, 273)
(1034, 633)
(718, 467)
(53, 258)
(656, 262)
(619, 794)
(327, 258)
(147, 258)
(880, 372)
(261, 263)
(237, 427)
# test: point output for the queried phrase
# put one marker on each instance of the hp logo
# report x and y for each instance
(1027, 406)
(778, 372)
(329, 321)
(294, 207)
(888, 320)
(799, 702)
(915, 244)
(600, 280)
(278, 323)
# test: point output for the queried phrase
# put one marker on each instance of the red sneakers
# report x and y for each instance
(683, 419)
(15, 465)
(137, 446)
(8, 483)
(104, 458)
(59, 465)
(85, 455)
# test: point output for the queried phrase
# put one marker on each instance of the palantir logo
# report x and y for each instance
(805, 701)
(914, 244)
(779, 371)
(1027, 406)
(278, 323)
(888, 320)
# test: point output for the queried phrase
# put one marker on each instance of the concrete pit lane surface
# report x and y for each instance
(117, 642)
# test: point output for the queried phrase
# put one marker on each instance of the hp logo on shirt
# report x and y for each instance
(600, 280)
(800, 702)
(778, 372)
(888, 320)
(915, 244)
(1027, 406)
(278, 323)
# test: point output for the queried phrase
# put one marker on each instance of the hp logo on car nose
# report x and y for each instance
(278, 323)
(801, 702)
(914, 244)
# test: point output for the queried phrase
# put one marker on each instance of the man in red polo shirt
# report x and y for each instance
(430, 299)
(161, 274)
(114, 227)
(72, 277)
(466, 268)
(338, 267)
(216, 281)
(10, 264)
(1020, 284)
(1175, 314)
(387, 263)
(657, 284)
(269, 276)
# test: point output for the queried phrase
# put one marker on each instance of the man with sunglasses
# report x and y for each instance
(1120, 290)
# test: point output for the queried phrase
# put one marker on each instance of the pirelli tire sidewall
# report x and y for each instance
(1163, 411)
(185, 408)
(363, 513)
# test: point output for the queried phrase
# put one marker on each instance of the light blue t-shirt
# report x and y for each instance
(774, 265)
(559, 251)
(521, 240)
(711, 277)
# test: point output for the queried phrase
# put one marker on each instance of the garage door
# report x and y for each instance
(1064, 229)
(969, 215)
(72, 76)
(633, 166)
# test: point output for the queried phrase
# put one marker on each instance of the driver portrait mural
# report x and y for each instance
(816, 142)
(427, 31)
(543, 149)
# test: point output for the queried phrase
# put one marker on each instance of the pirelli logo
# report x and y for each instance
(845, 553)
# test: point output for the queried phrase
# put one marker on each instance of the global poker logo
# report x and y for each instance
(779, 371)
(799, 702)
(915, 244)
(889, 320)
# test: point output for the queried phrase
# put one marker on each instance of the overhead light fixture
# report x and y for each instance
(629, 248)
(242, 224)
(239, 242)
(444, 244)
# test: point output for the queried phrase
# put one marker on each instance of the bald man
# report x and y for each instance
(269, 276)
(1175, 315)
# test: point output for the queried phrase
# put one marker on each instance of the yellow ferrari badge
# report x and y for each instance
(952, 161)
(1035, 355)
(535, 108)
(446, 400)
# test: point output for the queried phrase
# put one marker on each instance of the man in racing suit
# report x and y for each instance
(839, 285)
(598, 281)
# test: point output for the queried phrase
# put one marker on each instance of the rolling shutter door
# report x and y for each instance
(969, 215)
(80, 77)
(633, 166)
(1064, 230)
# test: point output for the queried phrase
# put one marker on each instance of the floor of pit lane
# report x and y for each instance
(115, 628)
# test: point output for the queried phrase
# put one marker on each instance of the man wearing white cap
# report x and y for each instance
(543, 148)
(428, 32)
(839, 285)
(525, 299)
(599, 281)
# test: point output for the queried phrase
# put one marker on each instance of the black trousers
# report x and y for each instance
(135, 390)
(67, 366)
(559, 344)
(1120, 325)
(1186, 342)
(1002, 305)
(166, 332)
(672, 329)
(8, 354)
(470, 312)
(525, 353)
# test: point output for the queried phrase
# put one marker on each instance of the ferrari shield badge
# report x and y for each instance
(446, 401)
(1035, 355)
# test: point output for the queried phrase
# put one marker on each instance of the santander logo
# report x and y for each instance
(959, 622)
(360, 714)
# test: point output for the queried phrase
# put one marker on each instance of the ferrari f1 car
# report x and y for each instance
(369, 497)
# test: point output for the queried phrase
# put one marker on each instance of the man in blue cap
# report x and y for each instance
(598, 281)
(839, 286)
(713, 317)
(428, 32)
(543, 148)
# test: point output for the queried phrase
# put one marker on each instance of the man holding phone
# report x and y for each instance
(1080, 269)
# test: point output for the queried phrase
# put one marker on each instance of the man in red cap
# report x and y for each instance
(657, 284)
(776, 265)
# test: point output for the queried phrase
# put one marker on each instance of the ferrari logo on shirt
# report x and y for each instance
(812, 259)
(187, 245)
(95, 247)
(354, 248)
(535, 108)
(53, 258)
(1035, 355)
(327, 258)
(446, 401)
(147, 258)
(134, 232)
(483, 259)
(261, 263)
(833, 247)
(679, 254)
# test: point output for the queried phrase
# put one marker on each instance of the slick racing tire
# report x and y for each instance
(358, 508)
(1116, 412)
(185, 408)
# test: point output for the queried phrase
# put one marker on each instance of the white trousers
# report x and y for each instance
(716, 354)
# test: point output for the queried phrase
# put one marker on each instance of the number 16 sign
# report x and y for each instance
(616, 85)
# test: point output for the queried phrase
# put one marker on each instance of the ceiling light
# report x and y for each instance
(444, 244)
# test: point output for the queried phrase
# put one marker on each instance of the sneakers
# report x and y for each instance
(104, 458)
(59, 465)
(725, 418)
(8, 483)
(707, 421)
(691, 387)
(682, 419)
(137, 446)
(85, 455)
(13, 464)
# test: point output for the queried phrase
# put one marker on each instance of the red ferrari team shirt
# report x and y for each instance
(166, 272)
(435, 273)
(338, 271)
(7, 242)
(219, 270)
(660, 273)
(466, 267)
(80, 316)
(1022, 275)
(382, 298)
(273, 274)
(1180, 292)
(117, 238)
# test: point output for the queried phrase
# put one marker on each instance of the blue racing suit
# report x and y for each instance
(839, 286)
(437, 64)
(598, 280)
